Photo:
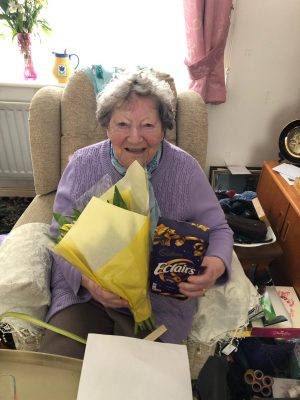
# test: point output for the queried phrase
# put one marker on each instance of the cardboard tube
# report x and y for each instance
(249, 376)
(258, 375)
(256, 387)
(266, 391)
(267, 380)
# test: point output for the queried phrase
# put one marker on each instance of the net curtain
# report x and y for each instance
(207, 24)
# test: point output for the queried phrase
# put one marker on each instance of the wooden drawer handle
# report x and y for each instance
(279, 221)
(285, 231)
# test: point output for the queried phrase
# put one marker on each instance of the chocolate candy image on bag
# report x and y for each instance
(177, 253)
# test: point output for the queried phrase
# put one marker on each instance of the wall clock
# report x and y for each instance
(289, 143)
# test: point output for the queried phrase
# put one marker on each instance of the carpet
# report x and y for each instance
(11, 208)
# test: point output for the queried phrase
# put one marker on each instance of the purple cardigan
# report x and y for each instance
(182, 192)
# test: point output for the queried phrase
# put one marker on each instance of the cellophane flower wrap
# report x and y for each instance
(111, 245)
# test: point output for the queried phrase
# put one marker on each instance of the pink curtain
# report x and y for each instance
(207, 23)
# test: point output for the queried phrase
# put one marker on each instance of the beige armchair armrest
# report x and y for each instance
(39, 210)
(45, 136)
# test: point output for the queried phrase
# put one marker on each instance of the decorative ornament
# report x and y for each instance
(289, 143)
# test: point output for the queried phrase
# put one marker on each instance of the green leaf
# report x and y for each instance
(42, 324)
(148, 324)
(75, 214)
(118, 200)
(54, 239)
(60, 219)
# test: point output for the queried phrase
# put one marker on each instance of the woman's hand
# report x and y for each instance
(197, 285)
(108, 299)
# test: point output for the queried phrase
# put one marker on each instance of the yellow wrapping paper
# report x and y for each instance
(111, 245)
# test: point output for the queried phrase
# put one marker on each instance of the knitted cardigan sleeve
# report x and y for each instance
(64, 204)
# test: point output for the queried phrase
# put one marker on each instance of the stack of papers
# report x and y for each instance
(289, 172)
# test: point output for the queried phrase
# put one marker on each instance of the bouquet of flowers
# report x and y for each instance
(109, 242)
(22, 16)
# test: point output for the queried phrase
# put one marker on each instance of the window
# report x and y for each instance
(108, 32)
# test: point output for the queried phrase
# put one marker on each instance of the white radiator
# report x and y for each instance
(16, 177)
(15, 159)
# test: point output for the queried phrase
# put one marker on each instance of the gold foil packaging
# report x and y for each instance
(177, 253)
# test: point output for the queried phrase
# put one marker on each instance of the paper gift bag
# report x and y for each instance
(117, 367)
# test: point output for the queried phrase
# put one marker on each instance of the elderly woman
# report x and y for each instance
(136, 110)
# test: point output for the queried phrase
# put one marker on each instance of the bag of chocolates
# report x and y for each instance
(177, 253)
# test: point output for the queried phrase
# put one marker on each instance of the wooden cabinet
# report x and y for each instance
(281, 204)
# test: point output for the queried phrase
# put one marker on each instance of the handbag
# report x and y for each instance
(247, 230)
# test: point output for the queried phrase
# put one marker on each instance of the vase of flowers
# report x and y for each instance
(23, 17)
(24, 43)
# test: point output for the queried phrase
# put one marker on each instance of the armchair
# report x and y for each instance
(62, 120)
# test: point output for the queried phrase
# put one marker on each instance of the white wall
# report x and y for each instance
(141, 32)
(263, 87)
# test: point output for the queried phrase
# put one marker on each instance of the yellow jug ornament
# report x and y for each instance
(62, 68)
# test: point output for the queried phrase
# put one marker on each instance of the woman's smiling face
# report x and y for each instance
(135, 130)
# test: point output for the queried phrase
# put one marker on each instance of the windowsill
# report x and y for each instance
(21, 90)
(30, 84)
